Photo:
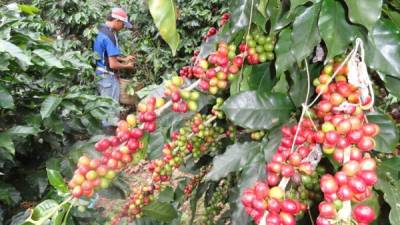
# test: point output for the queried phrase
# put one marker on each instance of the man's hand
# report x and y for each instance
(131, 58)
(116, 65)
(129, 65)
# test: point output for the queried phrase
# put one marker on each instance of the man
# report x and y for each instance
(110, 58)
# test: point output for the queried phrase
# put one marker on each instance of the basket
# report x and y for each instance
(126, 99)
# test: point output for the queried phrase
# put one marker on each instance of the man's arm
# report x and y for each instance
(116, 65)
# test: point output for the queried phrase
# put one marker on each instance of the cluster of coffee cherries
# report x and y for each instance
(257, 135)
(290, 157)
(147, 115)
(305, 187)
(194, 182)
(281, 210)
(259, 47)
(232, 132)
(140, 197)
(117, 151)
(342, 132)
(91, 175)
(216, 109)
(348, 137)
(212, 30)
(182, 100)
(224, 19)
(217, 203)
(288, 162)
(353, 182)
(195, 138)
(218, 69)
(339, 91)
(186, 71)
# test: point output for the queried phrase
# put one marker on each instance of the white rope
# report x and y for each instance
(358, 75)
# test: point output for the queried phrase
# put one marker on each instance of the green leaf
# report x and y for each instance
(9, 195)
(296, 3)
(394, 16)
(238, 22)
(56, 180)
(389, 184)
(16, 52)
(28, 9)
(59, 217)
(147, 90)
(255, 77)
(305, 35)
(261, 7)
(235, 157)
(383, 49)
(49, 58)
(258, 110)
(6, 100)
(365, 12)
(393, 85)
(49, 105)
(7, 143)
(19, 218)
(55, 124)
(44, 209)
(161, 211)
(281, 86)
(391, 166)
(388, 137)
(144, 221)
(167, 195)
(284, 56)
(253, 172)
(259, 20)
(156, 143)
(164, 16)
(298, 89)
(274, 10)
(335, 31)
(23, 131)
(271, 143)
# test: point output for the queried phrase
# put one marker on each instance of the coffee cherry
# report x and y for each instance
(327, 210)
(77, 192)
(290, 206)
(276, 192)
(363, 214)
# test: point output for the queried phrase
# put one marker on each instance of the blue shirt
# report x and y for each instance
(104, 46)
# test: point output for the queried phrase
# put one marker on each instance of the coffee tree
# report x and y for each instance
(284, 116)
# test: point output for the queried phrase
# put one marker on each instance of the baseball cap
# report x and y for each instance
(120, 14)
